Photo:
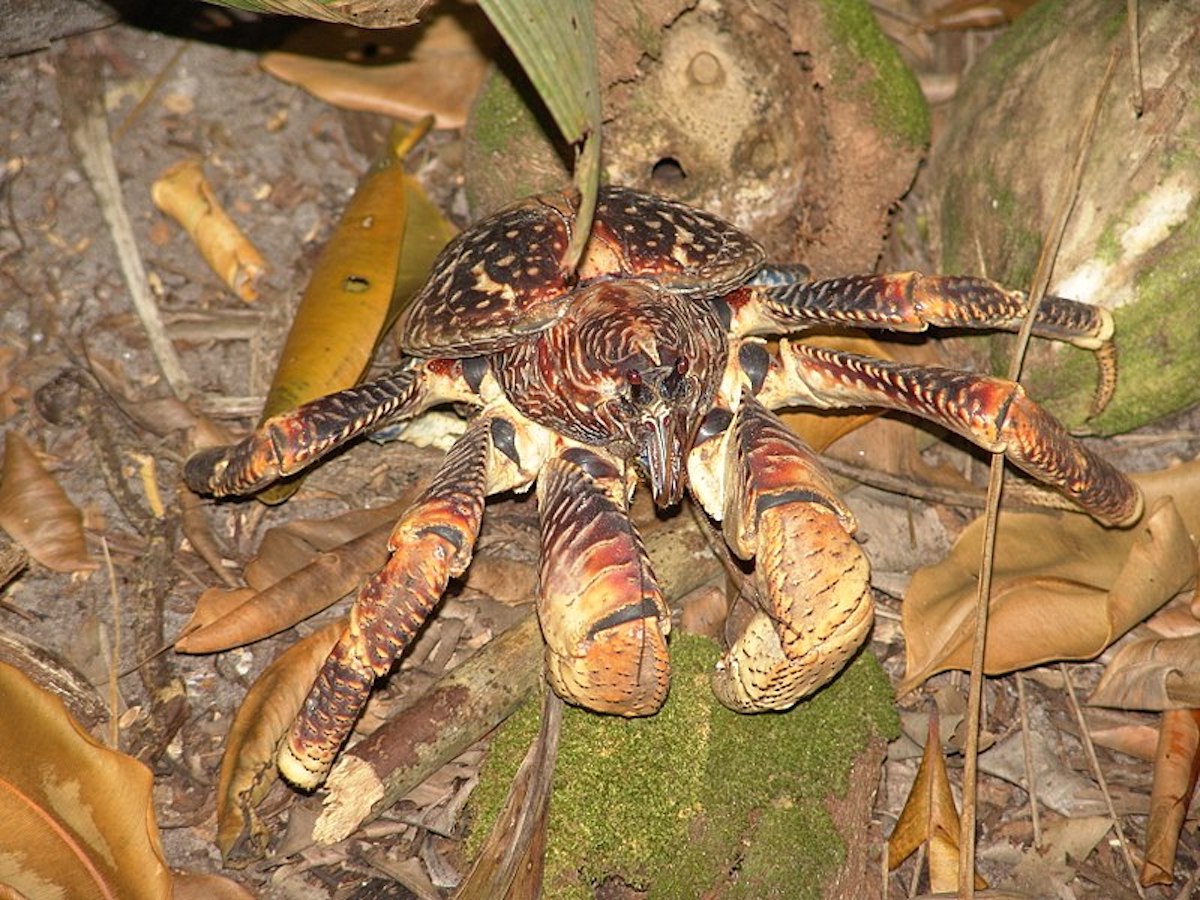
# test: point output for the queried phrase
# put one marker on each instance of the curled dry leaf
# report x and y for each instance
(248, 766)
(930, 816)
(78, 819)
(37, 513)
(1154, 673)
(435, 70)
(1176, 767)
(183, 193)
(1064, 587)
(301, 568)
(218, 624)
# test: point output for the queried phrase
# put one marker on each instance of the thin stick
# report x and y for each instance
(971, 497)
(81, 94)
(1041, 281)
(1030, 771)
(1135, 56)
(114, 693)
(1086, 737)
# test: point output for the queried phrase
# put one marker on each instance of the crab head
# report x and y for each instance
(657, 360)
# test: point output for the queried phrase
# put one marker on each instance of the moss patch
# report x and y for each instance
(509, 121)
(988, 206)
(676, 803)
(1031, 31)
(890, 87)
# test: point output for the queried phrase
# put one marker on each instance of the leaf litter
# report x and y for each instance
(194, 748)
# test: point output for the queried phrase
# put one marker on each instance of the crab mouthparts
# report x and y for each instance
(664, 443)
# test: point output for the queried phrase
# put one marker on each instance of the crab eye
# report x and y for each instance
(681, 365)
(634, 377)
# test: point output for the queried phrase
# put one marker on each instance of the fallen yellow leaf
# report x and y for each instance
(930, 816)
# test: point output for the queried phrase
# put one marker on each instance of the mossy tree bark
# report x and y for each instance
(1133, 240)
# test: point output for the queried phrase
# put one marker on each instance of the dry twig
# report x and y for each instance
(81, 93)
(1041, 281)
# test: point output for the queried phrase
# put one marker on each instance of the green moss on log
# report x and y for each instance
(889, 86)
(674, 803)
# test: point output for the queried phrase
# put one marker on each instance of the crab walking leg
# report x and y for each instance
(912, 302)
(602, 613)
(991, 412)
(779, 508)
(289, 442)
(432, 543)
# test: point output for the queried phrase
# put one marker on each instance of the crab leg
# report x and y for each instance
(912, 302)
(779, 508)
(430, 544)
(991, 412)
(289, 442)
(603, 615)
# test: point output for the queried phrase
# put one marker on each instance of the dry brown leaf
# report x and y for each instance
(301, 568)
(290, 547)
(248, 766)
(435, 70)
(1174, 621)
(158, 415)
(329, 577)
(1064, 587)
(78, 819)
(183, 193)
(37, 513)
(1153, 673)
(1176, 767)
(930, 816)
(1123, 732)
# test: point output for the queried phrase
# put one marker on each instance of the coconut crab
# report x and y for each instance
(651, 360)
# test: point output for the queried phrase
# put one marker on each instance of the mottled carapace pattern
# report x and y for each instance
(495, 285)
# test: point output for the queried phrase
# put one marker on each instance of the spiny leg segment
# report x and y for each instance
(602, 613)
(913, 302)
(991, 412)
(291, 441)
(779, 508)
(431, 544)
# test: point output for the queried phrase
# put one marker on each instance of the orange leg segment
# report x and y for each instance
(991, 412)
(432, 543)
